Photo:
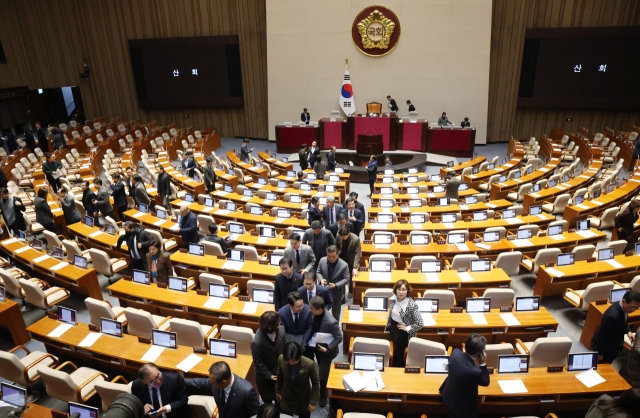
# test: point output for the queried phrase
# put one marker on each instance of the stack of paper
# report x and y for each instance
(214, 303)
(90, 339)
(250, 308)
(462, 247)
(152, 353)
(427, 319)
(512, 386)
(590, 378)
(465, 277)
(478, 318)
(510, 319)
(320, 338)
(432, 277)
(554, 272)
(354, 382)
(373, 380)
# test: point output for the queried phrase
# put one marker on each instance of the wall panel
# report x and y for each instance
(510, 19)
(46, 42)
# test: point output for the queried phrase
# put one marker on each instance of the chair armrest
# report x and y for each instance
(524, 256)
(35, 363)
(339, 413)
(351, 340)
(86, 382)
(390, 353)
(67, 363)
(206, 336)
(119, 315)
(82, 246)
(162, 322)
(235, 285)
(518, 342)
(620, 284)
(449, 350)
(567, 290)
(214, 414)
(117, 259)
(118, 378)
(551, 415)
(108, 303)
(447, 265)
(474, 294)
(366, 263)
(406, 264)
(62, 237)
(17, 347)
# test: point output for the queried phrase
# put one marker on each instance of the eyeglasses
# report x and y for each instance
(159, 376)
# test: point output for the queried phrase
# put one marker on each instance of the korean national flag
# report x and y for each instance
(347, 103)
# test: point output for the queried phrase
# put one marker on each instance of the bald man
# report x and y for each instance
(188, 226)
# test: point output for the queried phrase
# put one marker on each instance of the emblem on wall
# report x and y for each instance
(376, 31)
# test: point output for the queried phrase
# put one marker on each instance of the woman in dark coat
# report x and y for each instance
(624, 223)
(266, 347)
(44, 216)
(298, 385)
(159, 263)
(404, 320)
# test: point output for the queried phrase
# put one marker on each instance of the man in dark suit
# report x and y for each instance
(372, 172)
(305, 116)
(331, 159)
(102, 202)
(244, 150)
(351, 254)
(465, 123)
(342, 221)
(354, 216)
(302, 156)
(235, 397)
(330, 211)
(88, 197)
(323, 322)
(313, 213)
(610, 336)
(302, 255)
(213, 237)
(412, 108)
(188, 227)
(163, 187)
(137, 240)
(119, 195)
(296, 319)
(452, 186)
(359, 205)
(310, 288)
(140, 195)
(333, 273)
(50, 168)
(314, 154)
(287, 281)
(209, 176)
(162, 393)
(42, 132)
(319, 239)
(128, 181)
(467, 370)
(392, 104)
(189, 164)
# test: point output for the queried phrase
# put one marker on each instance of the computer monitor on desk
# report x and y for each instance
(436, 364)
(141, 277)
(267, 232)
(368, 361)
(431, 266)
(83, 411)
(478, 305)
(14, 395)
(262, 295)
(222, 348)
(274, 259)
(219, 290)
(67, 315)
(417, 218)
(2, 294)
(577, 362)
(527, 303)
(177, 283)
(427, 305)
(375, 303)
(165, 339)
(616, 295)
(196, 249)
(80, 261)
(513, 363)
(111, 327)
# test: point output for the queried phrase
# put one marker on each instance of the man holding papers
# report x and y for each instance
(467, 370)
(163, 394)
(324, 342)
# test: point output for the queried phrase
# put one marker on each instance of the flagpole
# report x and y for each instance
(347, 62)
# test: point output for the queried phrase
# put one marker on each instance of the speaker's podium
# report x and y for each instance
(369, 144)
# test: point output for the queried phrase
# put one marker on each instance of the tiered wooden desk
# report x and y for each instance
(457, 169)
(276, 164)
(501, 190)
(594, 318)
(12, 320)
(248, 169)
(404, 212)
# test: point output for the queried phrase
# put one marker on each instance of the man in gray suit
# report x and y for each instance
(245, 150)
(302, 255)
(102, 200)
(324, 352)
(235, 397)
(209, 176)
(140, 194)
(330, 211)
(319, 239)
(451, 188)
(333, 273)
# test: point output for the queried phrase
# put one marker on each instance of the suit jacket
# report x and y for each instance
(330, 325)
(141, 195)
(307, 258)
(610, 335)
(314, 154)
(58, 141)
(325, 237)
(218, 240)
(412, 108)
(244, 152)
(361, 208)
(88, 196)
(359, 223)
(325, 214)
(464, 124)
(372, 171)
(119, 194)
(393, 105)
(321, 291)
(141, 237)
(625, 220)
(164, 185)
(299, 332)
(314, 214)
(189, 228)
(19, 222)
(460, 388)
(103, 203)
(331, 161)
(335, 227)
(71, 214)
(132, 190)
(340, 274)
(451, 188)
(209, 175)
(296, 393)
(43, 211)
(265, 353)
(242, 401)
(305, 117)
(190, 165)
(354, 253)
(319, 168)
(283, 287)
(636, 149)
(173, 392)
(302, 155)
(164, 267)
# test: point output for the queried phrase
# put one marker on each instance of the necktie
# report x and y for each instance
(223, 400)
(155, 400)
(351, 214)
(331, 216)
(310, 295)
(295, 318)
(298, 257)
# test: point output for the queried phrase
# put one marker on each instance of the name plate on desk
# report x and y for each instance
(412, 270)
(591, 260)
(144, 340)
(58, 414)
(506, 309)
(490, 370)
(161, 285)
(441, 242)
(629, 253)
(199, 350)
(409, 369)
(602, 301)
(183, 250)
(94, 328)
(354, 307)
(201, 292)
(404, 242)
(549, 264)
(367, 241)
(127, 278)
(555, 369)
(244, 299)
(52, 315)
(362, 269)
(462, 270)
(264, 262)
(456, 309)
(341, 365)
(221, 257)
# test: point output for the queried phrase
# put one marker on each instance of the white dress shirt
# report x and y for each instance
(166, 407)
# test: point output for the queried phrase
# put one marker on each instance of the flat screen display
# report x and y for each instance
(222, 348)
(368, 361)
(83, 411)
(165, 339)
(13, 395)
(527, 303)
(436, 364)
(515, 363)
(111, 327)
(582, 361)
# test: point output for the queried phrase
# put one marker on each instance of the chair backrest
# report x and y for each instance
(383, 257)
(11, 368)
(52, 240)
(140, 323)
(561, 202)
(618, 246)
(202, 406)
(563, 223)
(372, 345)
(595, 291)
(250, 253)
(34, 295)
(101, 262)
(548, 351)
(509, 262)
(495, 350)
(98, 309)
(524, 189)
(72, 249)
(212, 248)
(242, 335)
(188, 332)
(205, 221)
(258, 284)
(583, 252)
(548, 255)
(418, 348)
(463, 261)
(499, 229)
(59, 385)
(374, 107)
(635, 283)
(416, 260)
(500, 297)
(380, 293)
(207, 278)
(446, 298)
(12, 285)
(109, 220)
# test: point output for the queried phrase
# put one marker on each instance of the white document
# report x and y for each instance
(189, 362)
(250, 307)
(278, 220)
(22, 249)
(590, 378)
(465, 277)
(483, 246)
(320, 338)
(356, 315)
(513, 221)
(462, 247)
(214, 303)
(614, 264)
(510, 319)
(60, 329)
(138, 215)
(90, 339)
(491, 205)
(382, 246)
(152, 353)
(58, 266)
(581, 206)
(596, 202)
(379, 277)
(175, 228)
(222, 212)
(522, 243)
(512, 386)
(554, 272)
(448, 225)
(463, 207)
(541, 216)
(95, 234)
(262, 240)
(160, 222)
(10, 241)
(354, 382)
(427, 319)
(379, 226)
(559, 237)
(544, 170)
(432, 277)
(151, 189)
(586, 234)
(232, 265)
(535, 195)
(478, 318)
(207, 209)
(374, 380)
(41, 258)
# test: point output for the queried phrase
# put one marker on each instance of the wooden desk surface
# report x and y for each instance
(233, 158)
(11, 318)
(281, 191)
(457, 169)
(405, 196)
(211, 262)
(277, 163)
(484, 175)
(405, 211)
(267, 204)
(128, 351)
(501, 189)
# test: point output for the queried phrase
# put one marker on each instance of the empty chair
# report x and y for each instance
(383, 233)
(463, 261)
(418, 348)
(605, 220)
(140, 323)
(446, 298)
(191, 333)
(212, 248)
(72, 249)
(548, 255)
(634, 284)
(202, 406)
(371, 345)
(501, 230)
(495, 350)
(382, 257)
(78, 386)
(42, 298)
(564, 224)
(105, 265)
(545, 351)
(519, 196)
(594, 291)
(416, 261)
(250, 253)
(509, 262)
(618, 246)
(242, 335)
(500, 297)
(583, 252)
(378, 293)
(24, 371)
(103, 309)
(109, 390)
(206, 278)
(487, 186)
(168, 243)
(558, 206)
(258, 284)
